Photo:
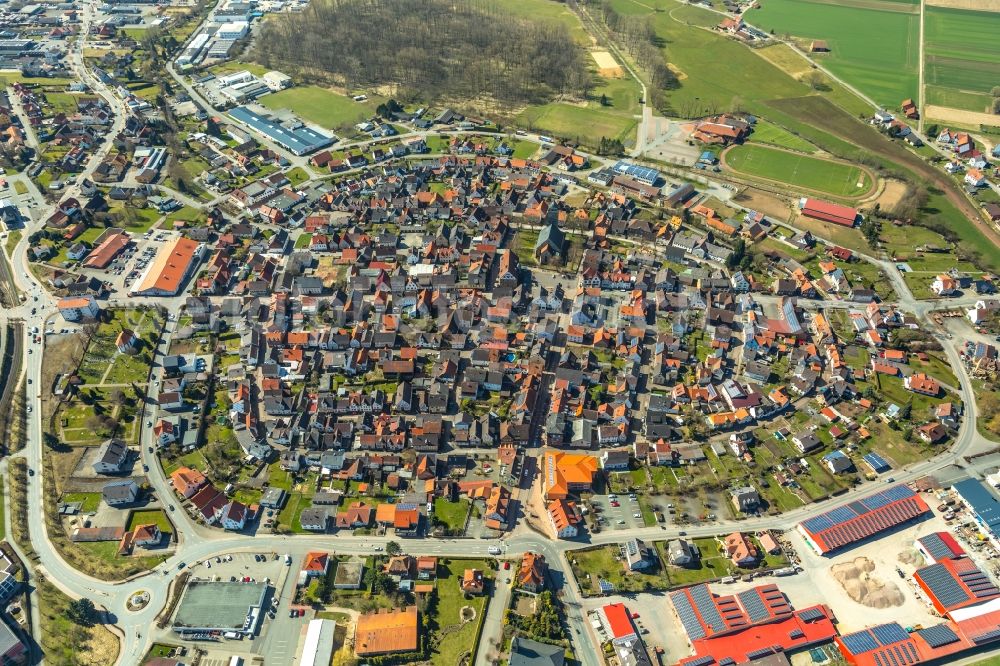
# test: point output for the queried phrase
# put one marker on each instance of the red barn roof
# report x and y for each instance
(829, 212)
(860, 519)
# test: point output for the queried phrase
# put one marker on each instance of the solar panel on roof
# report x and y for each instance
(762, 652)
(687, 615)
(859, 642)
(754, 606)
(876, 462)
(986, 637)
(810, 614)
(857, 507)
(887, 634)
(605, 585)
(942, 584)
(796, 633)
(702, 661)
(706, 608)
(728, 661)
(935, 546)
(938, 635)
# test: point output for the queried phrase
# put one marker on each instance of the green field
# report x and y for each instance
(813, 173)
(962, 55)
(771, 134)
(549, 11)
(732, 75)
(321, 106)
(586, 124)
(887, 73)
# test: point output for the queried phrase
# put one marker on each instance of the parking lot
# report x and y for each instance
(127, 269)
(625, 515)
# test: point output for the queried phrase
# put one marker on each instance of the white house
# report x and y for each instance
(79, 308)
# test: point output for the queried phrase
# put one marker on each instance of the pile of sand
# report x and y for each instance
(910, 556)
(856, 579)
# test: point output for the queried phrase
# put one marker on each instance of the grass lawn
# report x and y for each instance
(195, 460)
(769, 133)
(592, 565)
(936, 367)
(20, 187)
(159, 650)
(457, 637)
(290, 514)
(711, 564)
(708, 85)
(585, 124)
(63, 641)
(88, 501)
(13, 238)
(549, 11)
(151, 517)
(184, 213)
(297, 175)
(232, 66)
(836, 178)
(322, 106)
(107, 552)
(962, 55)
(887, 73)
(452, 514)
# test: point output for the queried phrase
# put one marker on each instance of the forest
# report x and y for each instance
(428, 50)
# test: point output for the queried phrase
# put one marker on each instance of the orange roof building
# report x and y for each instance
(385, 631)
(564, 473)
(172, 265)
(107, 250)
(187, 481)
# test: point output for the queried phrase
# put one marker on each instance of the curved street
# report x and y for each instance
(197, 542)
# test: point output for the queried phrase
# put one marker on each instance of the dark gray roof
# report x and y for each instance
(526, 652)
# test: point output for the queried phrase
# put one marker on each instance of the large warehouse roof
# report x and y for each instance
(751, 624)
(891, 645)
(984, 503)
(862, 518)
(169, 268)
(953, 584)
(829, 212)
(940, 546)
(300, 140)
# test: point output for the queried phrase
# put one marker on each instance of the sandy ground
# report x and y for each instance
(891, 194)
(763, 202)
(818, 585)
(949, 115)
(978, 5)
(862, 585)
(608, 66)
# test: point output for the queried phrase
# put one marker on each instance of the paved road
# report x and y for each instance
(197, 542)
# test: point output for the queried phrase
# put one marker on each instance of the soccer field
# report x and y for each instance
(874, 44)
(834, 178)
(962, 51)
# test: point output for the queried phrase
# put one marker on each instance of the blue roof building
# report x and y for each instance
(298, 140)
(984, 505)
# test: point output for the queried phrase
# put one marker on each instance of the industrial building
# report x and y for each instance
(983, 505)
(858, 520)
(954, 584)
(317, 650)
(938, 546)
(829, 212)
(746, 626)
(891, 645)
(170, 268)
(220, 606)
(298, 139)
